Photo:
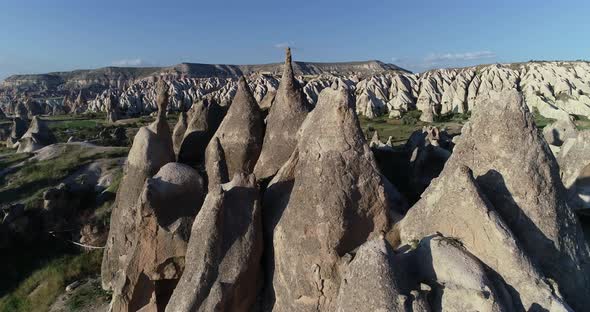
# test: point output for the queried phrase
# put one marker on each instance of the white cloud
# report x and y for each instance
(284, 45)
(131, 62)
(465, 56)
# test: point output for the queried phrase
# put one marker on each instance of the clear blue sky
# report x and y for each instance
(40, 35)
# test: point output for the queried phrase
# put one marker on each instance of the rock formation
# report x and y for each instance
(179, 130)
(559, 131)
(370, 275)
(286, 115)
(574, 161)
(517, 173)
(325, 201)
(223, 257)
(455, 206)
(37, 136)
(151, 149)
(217, 171)
(166, 209)
(204, 119)
(19, 127)
(240, 133)
(112, 107)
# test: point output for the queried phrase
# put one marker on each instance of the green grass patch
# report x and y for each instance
(29, 182)
(38, 291)
(401, 129)
(86, 295)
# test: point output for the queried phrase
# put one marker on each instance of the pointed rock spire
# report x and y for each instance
(37, 136)
(217, 171)
(241, 132)
(179, 130)
(158, 253)
(286, 115)
(453, 199)
(152, 148)
(325, 201)
(224, 251)
(517, 172)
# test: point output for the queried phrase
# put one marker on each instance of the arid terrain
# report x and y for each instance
(297, 186)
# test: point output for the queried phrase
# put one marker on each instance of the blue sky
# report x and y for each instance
(39, 36)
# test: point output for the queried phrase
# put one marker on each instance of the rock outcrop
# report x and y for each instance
(559, 131)
(37, 136)
(240, 133)
(112, 108)
(204, 119)
(166, 209)
(369, 281)
(517, 173)
(286, 115)
(151, 149)
(455, 206)
(223, 257)
(326, 200)
(179, 131)
(19, 127)
(574, 161)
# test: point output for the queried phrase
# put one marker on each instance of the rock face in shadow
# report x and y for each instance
(240, 133)
(178, 132)
(151, 149)
(289, 109)
(223, 257)
(518, 174)
(455, 206)
(166, 209)
(369, 281)
(325, 201)
(37, 136)
(204, 119)
(19, 127)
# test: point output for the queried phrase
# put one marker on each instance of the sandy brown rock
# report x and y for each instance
(240, 133)
(151, 149)
(327, 200)
(286, 115)
(519, 175)
(112, 108)
(223, 256)
(166, 209)
(574, 161)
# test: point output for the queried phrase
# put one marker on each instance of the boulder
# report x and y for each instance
(240, 133)
(288, 111)
(37, 136)
(151, 149)
(518, 174)
(326, 200)
(166, 209)
(223, 257)
(178, 132)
